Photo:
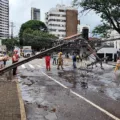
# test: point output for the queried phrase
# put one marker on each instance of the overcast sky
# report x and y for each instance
(20, 12)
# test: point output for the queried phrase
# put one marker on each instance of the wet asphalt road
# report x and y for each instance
(45, 99)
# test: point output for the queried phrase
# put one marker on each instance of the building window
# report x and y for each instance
(62, 30)
(54, 15)
(63, 15)
(54, 30)
(61, 10)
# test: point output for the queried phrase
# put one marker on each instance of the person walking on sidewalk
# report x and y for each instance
(74, 60)
(15, 59)
(60, 61)
(47, 61)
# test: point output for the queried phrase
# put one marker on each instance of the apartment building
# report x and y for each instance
(62, 21)
(35, 14)
(4, 19)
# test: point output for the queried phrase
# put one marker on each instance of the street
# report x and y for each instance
(61, 94)
(82, 38)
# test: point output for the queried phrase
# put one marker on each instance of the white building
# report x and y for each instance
(4, 19)
(108, 52)
(62, 21)
(35, 14)
(112, 46)
(114, 34)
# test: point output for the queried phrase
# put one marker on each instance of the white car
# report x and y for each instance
(27, 53)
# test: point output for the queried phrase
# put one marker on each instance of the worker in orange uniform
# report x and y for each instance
(117, 65)
(15, 59)
(47, 61)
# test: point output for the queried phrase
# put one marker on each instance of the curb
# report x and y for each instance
(22, 107)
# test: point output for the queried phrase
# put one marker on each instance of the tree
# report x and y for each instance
(33, 25)
(101, 30)
(109, 11)
(10, 43)
(38, 39)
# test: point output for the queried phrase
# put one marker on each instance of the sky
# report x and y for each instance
(20, 12)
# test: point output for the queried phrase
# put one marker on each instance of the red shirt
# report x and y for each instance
(47, 58)
(15, 58)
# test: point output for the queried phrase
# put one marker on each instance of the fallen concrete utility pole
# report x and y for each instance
(66, 41)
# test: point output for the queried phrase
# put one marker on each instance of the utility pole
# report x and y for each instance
(12, 27)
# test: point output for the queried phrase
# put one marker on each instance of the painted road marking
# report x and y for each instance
(83, 98)
(54, 80)
(31, 66)
(43, 66)
(23, 66)
(40, 66)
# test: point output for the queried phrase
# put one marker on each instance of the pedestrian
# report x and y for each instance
(6, 58)
(60, 61)
(74, 60)
(1, 61)
(66, 55)
(47, 61)
(54, 59)
(15, 59)
(117, 65)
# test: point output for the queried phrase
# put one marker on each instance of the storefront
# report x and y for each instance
(109, 52)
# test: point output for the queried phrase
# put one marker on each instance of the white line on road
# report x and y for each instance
(40, 66)
(54, 80)
(31, 66)
(23, 66)
(83, 98)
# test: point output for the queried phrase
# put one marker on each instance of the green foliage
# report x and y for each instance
(109, 11)
(10, 53)
(37, 39)
(33, 25)
(10, 43)
(101, 30)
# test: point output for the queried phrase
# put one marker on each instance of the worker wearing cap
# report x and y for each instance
(60, 60)
(15, 59)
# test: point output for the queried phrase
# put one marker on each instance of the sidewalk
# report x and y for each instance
(10, 106)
